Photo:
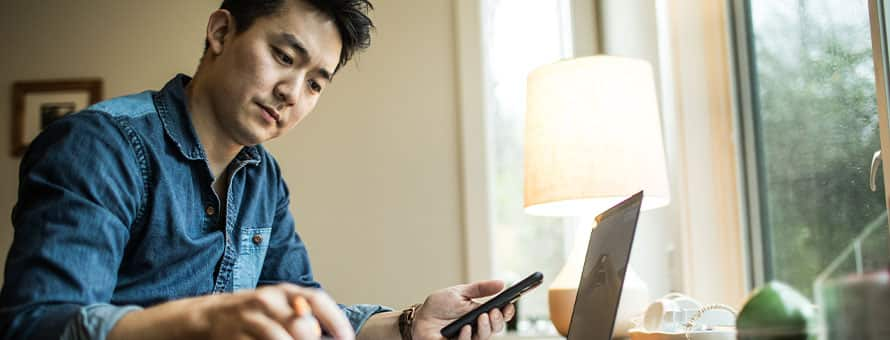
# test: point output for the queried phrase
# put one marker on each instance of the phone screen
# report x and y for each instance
(503, 299)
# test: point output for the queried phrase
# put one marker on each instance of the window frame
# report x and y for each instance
(745, 102)
(475, 138)
(877, 15)
(474, 141)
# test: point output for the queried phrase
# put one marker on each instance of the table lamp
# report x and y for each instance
(592, 138)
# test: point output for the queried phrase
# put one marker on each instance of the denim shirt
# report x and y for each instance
(116, 212)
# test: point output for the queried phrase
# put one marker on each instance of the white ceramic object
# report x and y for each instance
(669, 313)
(634, 298)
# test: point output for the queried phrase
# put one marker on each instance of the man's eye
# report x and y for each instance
(283, 57)
(315, 86)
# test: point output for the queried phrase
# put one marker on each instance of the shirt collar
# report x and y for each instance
(171, 105)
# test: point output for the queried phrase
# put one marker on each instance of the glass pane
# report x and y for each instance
(513, 47)
(816, 128)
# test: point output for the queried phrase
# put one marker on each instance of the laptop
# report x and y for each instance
(608, 252)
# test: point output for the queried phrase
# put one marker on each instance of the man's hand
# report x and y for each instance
(446, 305)
(266, 313)
(269, 313)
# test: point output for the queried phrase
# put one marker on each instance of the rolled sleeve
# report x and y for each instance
(359, 314)
(95, 321)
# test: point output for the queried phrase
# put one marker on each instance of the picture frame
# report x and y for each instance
(36, 104)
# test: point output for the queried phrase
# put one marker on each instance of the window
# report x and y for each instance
(513, 46)
(812, 128)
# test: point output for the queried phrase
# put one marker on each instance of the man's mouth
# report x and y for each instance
(271, 112)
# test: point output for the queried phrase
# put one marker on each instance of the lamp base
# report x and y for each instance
(634, 298)
(564, 288)
(561, 302)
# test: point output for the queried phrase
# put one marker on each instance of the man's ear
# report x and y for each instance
(220, 27)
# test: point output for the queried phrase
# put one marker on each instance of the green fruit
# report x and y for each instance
(775, 311)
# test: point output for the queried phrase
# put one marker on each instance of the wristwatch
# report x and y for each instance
(406, 321)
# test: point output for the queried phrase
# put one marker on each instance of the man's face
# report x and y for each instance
(263, 81)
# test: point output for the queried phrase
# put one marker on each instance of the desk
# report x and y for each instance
(514, 336)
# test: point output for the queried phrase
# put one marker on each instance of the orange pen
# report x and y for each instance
(302, 309)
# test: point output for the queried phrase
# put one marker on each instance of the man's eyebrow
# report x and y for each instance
(297, 45)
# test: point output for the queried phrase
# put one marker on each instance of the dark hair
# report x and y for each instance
(350, 17)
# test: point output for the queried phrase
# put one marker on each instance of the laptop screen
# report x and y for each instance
(608, 251)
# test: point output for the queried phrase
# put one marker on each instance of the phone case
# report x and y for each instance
(506, 297)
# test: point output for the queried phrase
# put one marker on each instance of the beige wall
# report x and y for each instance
(374, 172)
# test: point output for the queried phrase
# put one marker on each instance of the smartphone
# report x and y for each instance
(503, 299)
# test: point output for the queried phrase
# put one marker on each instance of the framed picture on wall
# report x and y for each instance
(36, 104)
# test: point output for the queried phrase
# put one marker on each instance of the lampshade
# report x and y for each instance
(593, 137)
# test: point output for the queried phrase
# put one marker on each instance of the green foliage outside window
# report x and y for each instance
(816, 128)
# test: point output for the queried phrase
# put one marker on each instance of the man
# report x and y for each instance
(154, 216)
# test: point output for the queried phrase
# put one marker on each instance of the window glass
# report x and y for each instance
(815, 130)
(514, 45)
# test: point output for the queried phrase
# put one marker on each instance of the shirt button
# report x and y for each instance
(210, 210)
(257, 239)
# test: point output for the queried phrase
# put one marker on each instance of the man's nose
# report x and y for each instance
(287, 92)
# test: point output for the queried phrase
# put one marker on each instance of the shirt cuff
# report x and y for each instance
(359, 314)
(95, 321)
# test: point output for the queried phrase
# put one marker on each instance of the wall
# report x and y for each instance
(373, 171)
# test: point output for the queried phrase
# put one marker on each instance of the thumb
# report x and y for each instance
(481, 288)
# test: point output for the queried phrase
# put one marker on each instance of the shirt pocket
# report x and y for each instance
(253, 243)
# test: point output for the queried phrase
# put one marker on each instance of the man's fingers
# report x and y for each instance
(272, 302)
(497, 320)
(304, 325)
(261, 327)
(481, 288)
(328, 314)
(331, 317)
(483, 327)
(466, 333)
(509, 312)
